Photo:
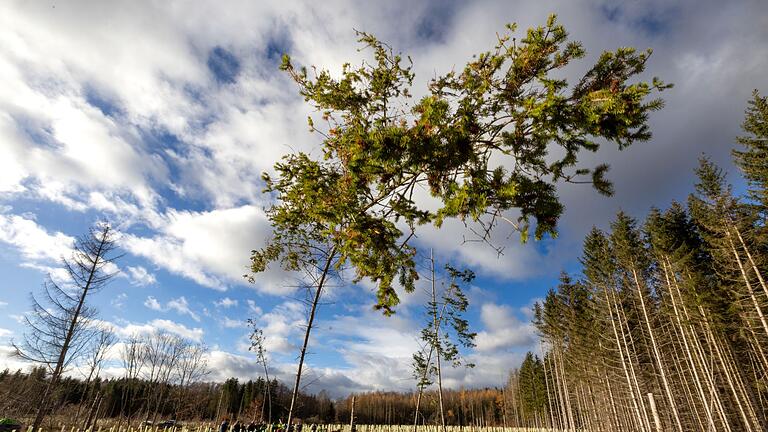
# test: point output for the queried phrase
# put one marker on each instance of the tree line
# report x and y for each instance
(665, 327)
(133, 400)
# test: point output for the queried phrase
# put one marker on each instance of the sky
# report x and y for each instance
(161, 116)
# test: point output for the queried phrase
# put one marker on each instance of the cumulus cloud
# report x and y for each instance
(502, 329)
(212, 247)
(140, 276)
(181, 305)
(282, 325)
(34, 243)
(9, 361)
(153, 304)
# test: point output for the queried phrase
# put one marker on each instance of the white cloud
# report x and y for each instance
(128, 329)
(180, 305)
(226, 302)
(233, 323)
(282, 325)
(153, 304)
(119, 301)
(5, 333)
(3, 304)
(33, 242)
(140, 276)
(253, 307)
(503, 330)
(9, 361)
(212, 248)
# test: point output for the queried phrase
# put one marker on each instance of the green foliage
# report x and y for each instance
(753, 159)
(486, 142)
(532, 387)
(445, 328)
(692, 276)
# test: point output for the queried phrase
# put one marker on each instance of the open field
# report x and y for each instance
(210, 427)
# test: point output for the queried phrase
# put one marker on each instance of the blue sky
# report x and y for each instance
(162, 117)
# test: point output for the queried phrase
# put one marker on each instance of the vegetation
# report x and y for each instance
(665, 328)
(59, 325)
(445, 331)
(359, 205)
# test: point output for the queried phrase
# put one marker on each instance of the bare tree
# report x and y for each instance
(191, 367)
(100, 345)
(132, 362)
(58, 329)
(161, 354)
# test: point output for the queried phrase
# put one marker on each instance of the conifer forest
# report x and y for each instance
(236, 217)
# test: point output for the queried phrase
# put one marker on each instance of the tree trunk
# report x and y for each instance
(437, 341)
(321, 283)
(657, 355)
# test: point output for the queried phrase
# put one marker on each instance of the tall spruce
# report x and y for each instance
(752, 159)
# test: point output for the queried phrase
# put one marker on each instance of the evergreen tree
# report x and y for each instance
(752, 160)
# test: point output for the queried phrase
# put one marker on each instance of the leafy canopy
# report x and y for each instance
(489, 143)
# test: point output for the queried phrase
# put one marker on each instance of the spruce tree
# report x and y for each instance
(752, 160)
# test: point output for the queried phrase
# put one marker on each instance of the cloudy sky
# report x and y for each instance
(161, 116)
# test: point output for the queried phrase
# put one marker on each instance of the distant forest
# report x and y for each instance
(136, 400)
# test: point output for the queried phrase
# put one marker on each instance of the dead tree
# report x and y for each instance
(58, 327)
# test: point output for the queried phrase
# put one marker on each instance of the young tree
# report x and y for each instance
(446, 329)
(358, 205)
(58, 327)
(257, 346)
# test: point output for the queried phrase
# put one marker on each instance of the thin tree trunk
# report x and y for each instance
(321, 283)
(549, 396)
(268, 392)
(696, 378)
(657, 354)
(747, 283)
(620, 345)
(437, 341)
(421, 390)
